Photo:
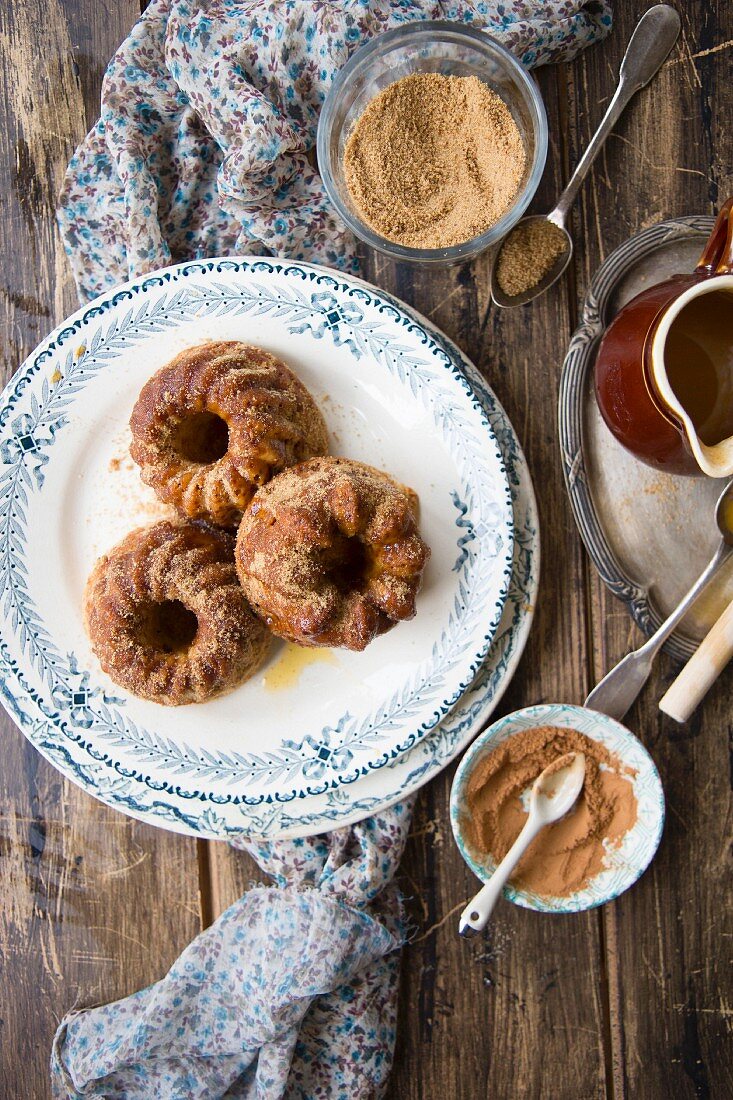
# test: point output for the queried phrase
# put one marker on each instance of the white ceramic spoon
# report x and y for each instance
(554, 792)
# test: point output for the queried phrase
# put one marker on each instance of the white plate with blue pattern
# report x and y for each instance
(374, 792)
(392, 395)
(625, 862)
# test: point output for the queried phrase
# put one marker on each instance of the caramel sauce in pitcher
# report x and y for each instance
(698, 359)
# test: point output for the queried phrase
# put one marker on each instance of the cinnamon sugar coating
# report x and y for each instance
(329, 553)
(167, 618)
(219, 421)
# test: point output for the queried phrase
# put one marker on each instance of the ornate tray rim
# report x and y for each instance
(578, 361)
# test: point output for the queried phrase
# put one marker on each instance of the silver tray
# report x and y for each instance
(649, 534)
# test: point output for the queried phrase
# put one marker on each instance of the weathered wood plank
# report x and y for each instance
(86, 890)
(487, 1017)
(473, 1016)
(95, 905)
(669, 938)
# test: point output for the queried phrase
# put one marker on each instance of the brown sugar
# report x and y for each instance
(167, 618)
(434, 160)
(329, 553)
(216, 422)
(527, 255)
(567, 855)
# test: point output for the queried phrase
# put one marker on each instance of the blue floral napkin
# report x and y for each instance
(209, 110)
(292, 992)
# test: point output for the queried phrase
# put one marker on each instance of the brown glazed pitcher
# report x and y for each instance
(656, 385)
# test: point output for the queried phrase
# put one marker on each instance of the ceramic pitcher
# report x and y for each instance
(681, 429)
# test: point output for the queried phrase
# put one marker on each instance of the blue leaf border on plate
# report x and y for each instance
(23, 452)
(434, 752)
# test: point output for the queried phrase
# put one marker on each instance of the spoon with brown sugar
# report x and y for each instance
(539, 248)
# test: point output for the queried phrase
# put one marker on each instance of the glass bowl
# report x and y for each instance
(450, 49)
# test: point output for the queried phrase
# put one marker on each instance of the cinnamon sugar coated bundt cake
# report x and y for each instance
(329, 553)
(167, 617)
(217, 422)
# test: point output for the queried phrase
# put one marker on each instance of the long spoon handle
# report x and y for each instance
(701, 671)
(478, 911)
(655, 35)
(652, 645)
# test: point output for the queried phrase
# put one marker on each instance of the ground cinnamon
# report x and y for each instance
(567, 855)
(434, 160)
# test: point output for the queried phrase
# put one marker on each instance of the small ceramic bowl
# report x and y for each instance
(434, 46)
(638, 846)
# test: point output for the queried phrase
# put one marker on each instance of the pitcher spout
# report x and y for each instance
(691, 366)
(664, 369)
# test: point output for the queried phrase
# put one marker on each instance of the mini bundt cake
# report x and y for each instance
(217, 422)
(167, 617)
(329, 553)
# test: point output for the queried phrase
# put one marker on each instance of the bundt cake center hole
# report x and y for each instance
(168, 627)
(202, 438)
(350, 567)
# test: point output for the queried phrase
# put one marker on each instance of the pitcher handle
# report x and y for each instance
(718, 248)
(725, 263)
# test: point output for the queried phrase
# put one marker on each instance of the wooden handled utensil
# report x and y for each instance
(702, 669)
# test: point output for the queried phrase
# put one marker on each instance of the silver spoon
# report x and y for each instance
(654, 36)
(554, 792)
(619, 688)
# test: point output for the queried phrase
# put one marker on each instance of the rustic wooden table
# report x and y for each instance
(634, 1000)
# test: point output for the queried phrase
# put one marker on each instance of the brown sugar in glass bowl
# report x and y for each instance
(428, 47)
(167, 617)
(329, 553)
(217, 422)
(434, 161)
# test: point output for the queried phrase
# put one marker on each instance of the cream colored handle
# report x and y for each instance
(702, 669)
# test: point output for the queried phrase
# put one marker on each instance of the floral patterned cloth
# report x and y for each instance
(209, 111)
(291, 993)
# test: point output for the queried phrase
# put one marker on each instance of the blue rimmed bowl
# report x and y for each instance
(637, 849)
